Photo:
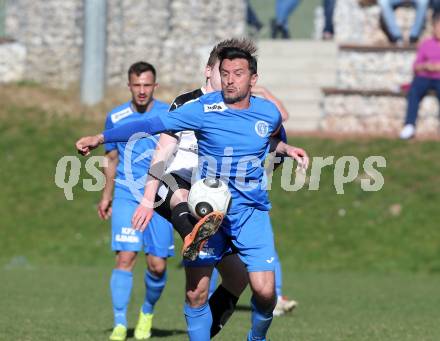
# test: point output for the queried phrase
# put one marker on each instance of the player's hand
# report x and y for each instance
(86, 144)
(141, 217)
(300, 156)
(105, 209)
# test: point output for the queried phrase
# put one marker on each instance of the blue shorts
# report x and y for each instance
(212, 252)
(157, 239)
(247, 233)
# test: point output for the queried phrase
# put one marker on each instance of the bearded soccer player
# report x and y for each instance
(231, 121)
(119, 202)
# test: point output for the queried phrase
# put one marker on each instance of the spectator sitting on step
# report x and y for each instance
(395, 34)
(427, 77)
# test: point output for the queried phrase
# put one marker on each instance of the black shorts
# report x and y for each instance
(170, 184)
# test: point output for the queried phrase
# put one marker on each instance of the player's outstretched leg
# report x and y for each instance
(205, 228)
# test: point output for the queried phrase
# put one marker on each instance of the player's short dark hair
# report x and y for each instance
(235, 53)
(243, 44)
(141, 67)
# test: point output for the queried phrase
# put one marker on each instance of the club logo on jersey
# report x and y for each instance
(262, 128)
(121, 114)
(220, 106)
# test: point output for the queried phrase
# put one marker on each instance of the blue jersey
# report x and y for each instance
(134, 156)
(233, 144)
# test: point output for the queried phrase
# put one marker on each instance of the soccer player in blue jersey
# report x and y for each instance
(233, 128)
(127, 164)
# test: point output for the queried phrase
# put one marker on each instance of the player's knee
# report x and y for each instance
(157, 266)
(265, 295)
(196, 297)
(125, 260)
(266, 300)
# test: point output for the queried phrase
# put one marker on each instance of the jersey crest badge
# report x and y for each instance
(262, 128)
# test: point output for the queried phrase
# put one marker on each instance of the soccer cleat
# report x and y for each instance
(119, 333)
(143, 327)
(407, 132)
(205, 228)
(284, 305)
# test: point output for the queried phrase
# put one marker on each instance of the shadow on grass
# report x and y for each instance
(156, 332)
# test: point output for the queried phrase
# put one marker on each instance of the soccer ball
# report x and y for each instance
(208, 195)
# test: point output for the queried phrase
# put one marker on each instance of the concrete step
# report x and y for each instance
(295, 71)
(297, 68)
(293, 59)
(296, 48)
(304, 111)
(301, 94)
(269, 78)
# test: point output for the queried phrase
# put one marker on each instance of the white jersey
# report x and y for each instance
(185, 158)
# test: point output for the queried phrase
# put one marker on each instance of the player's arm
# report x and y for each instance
(164, 150)
(105, 204)
(296, 153)
(123, 133)
(187, 117)
(261, 91)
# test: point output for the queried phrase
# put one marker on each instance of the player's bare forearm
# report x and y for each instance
(109, 173)
(164, 150)
(299, 154)
(105, 204)
(86, 144)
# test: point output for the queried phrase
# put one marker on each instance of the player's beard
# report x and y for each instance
(234, 99)
(141, 106)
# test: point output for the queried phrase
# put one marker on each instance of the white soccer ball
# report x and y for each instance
(208, 195)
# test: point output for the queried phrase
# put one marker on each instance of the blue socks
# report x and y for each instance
(198, 321)
(154, 287)
(260, 323)
(278, 277)
(121, 283)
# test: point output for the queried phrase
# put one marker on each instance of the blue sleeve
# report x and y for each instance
(185, 117)
(123, 133)
(109, 125)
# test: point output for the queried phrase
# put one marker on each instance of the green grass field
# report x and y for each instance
(363, 266)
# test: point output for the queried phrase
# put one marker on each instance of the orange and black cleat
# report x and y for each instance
(205, 228)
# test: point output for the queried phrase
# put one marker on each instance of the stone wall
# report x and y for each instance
(174, 35)
(12, 61)
(374, 70)
(376, 114)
